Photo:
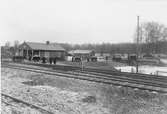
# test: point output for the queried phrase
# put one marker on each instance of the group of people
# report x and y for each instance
(44, 59)
(88, 59)
(52, 60)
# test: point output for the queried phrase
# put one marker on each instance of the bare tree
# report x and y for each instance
(7, 44)
(151, 33)
(164, 35)
(16, 46)
(16, 43)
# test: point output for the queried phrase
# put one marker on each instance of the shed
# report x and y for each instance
(82, 53)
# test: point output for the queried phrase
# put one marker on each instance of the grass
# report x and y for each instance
(89, 99)
(118, 100)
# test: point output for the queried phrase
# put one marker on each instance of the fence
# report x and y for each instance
(164, 73)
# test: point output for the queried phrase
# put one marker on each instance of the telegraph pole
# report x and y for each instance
(137, 50)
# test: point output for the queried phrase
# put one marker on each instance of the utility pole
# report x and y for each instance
(137, 50)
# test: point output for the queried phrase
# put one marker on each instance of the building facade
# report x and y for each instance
(82, 53)
(30, 49)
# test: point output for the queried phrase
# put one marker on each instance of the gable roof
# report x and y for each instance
(43, 46)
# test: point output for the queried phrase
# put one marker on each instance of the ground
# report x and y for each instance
(147, 69)
(70, 96)
(109, 65)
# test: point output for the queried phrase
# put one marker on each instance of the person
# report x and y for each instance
(50, 60)
(106, 58)
(30, 58)
(54, 60)
(87, 59)
(43, 60)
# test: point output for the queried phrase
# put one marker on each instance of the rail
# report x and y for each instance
(146, 84)
(24, 102)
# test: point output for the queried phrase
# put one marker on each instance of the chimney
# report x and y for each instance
(47, 42)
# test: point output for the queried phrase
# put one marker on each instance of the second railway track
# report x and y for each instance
(158, 85)
(10, 100)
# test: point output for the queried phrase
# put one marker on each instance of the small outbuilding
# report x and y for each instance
(82, 53)
(48, 50)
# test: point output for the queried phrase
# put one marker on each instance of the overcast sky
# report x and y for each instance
(76, 21)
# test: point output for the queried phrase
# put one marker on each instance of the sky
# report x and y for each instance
(76, 21)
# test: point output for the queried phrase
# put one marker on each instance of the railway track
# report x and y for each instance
(100, 71)
(97, 70)
(158, 85)
(10, 100)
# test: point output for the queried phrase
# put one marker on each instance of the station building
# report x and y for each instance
(30, 49)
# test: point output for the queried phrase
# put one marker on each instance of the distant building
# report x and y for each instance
(102, 54)
(82, 53)
(30, 49)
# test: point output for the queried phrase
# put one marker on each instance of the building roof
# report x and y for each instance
(44, 46)
(80, 51)
(102, 54)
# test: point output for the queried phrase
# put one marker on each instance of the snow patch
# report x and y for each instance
(145, 69)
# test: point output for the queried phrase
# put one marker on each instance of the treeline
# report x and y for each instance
(152, 38)
(157, 47)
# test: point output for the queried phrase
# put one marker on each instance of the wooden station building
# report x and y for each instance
(30, 49)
